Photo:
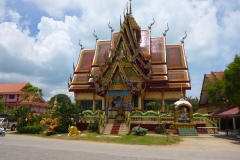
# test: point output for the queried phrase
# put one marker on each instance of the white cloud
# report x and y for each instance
(232, 24)
(54, 48)
(13, 16)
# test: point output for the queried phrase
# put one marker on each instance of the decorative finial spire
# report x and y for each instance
(130, 6)
(149, 27)
(181, 98)
(95, 35)
(110, 27)
(73, 67)
(70, 78)
(80, 44)
(165, 33)
(120, 21)
(127, 7)
(182, 41)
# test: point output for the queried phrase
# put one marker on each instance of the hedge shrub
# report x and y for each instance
(30, 129)
(139, 131)
(61, 128)
(160, 129)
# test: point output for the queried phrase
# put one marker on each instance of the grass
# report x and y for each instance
(121, 139)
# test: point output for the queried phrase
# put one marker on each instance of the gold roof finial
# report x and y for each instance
(165, 33)
(110, 27)
(80, 44)
(120, 21)
(130, 6)
(73, 67)
(149, 27)
(181, 97)
(182, 41)
(95, 35)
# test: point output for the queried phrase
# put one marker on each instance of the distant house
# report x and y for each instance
(12, 94)
(228, 117)
(204, 106)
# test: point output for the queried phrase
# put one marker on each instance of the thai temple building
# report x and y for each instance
(130, 70)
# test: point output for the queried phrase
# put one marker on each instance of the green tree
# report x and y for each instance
(31, 92)
(21, 114)
(215, 93)
(154, 105)
(194, 102)
(2, 105)
(231, 81)
(61, 98)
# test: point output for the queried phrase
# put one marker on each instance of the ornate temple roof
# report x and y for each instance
(133, 55)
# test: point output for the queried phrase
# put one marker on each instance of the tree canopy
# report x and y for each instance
(226, 92)
(231, 81)
(215, 93)
(32, 92)
(61, 99)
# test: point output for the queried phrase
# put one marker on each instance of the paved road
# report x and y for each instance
(19, 147)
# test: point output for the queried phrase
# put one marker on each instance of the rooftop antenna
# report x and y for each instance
(130, 6)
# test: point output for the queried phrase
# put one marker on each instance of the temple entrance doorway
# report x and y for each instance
(120, 106)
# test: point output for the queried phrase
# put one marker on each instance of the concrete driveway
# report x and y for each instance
(194, 148)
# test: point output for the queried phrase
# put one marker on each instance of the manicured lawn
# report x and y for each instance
(121, 139)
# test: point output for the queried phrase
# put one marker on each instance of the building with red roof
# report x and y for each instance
(229, 117)
(130, 70)
(204, 106)
(11, 94)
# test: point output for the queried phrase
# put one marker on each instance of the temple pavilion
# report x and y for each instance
(130, 70)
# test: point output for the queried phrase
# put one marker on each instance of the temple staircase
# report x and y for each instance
(187, 132)
(115, 128)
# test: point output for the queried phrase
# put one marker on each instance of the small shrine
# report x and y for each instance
(183, 114)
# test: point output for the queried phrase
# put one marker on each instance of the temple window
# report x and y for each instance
(135, 100)
(148, 107)
(170, 101)
(87, 104)
(98, 104)
(11, 96)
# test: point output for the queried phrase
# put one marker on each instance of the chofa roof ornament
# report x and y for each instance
(165, 32)
(80, 44)
(182, 41)
(95, 35)
(150, 27)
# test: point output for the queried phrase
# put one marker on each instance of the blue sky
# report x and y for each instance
(39, 38)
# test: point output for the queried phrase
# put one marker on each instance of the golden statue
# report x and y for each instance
(73, 131)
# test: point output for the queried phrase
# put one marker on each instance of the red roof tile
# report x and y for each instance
(12, 87)
(230, 111)
(218, 75)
